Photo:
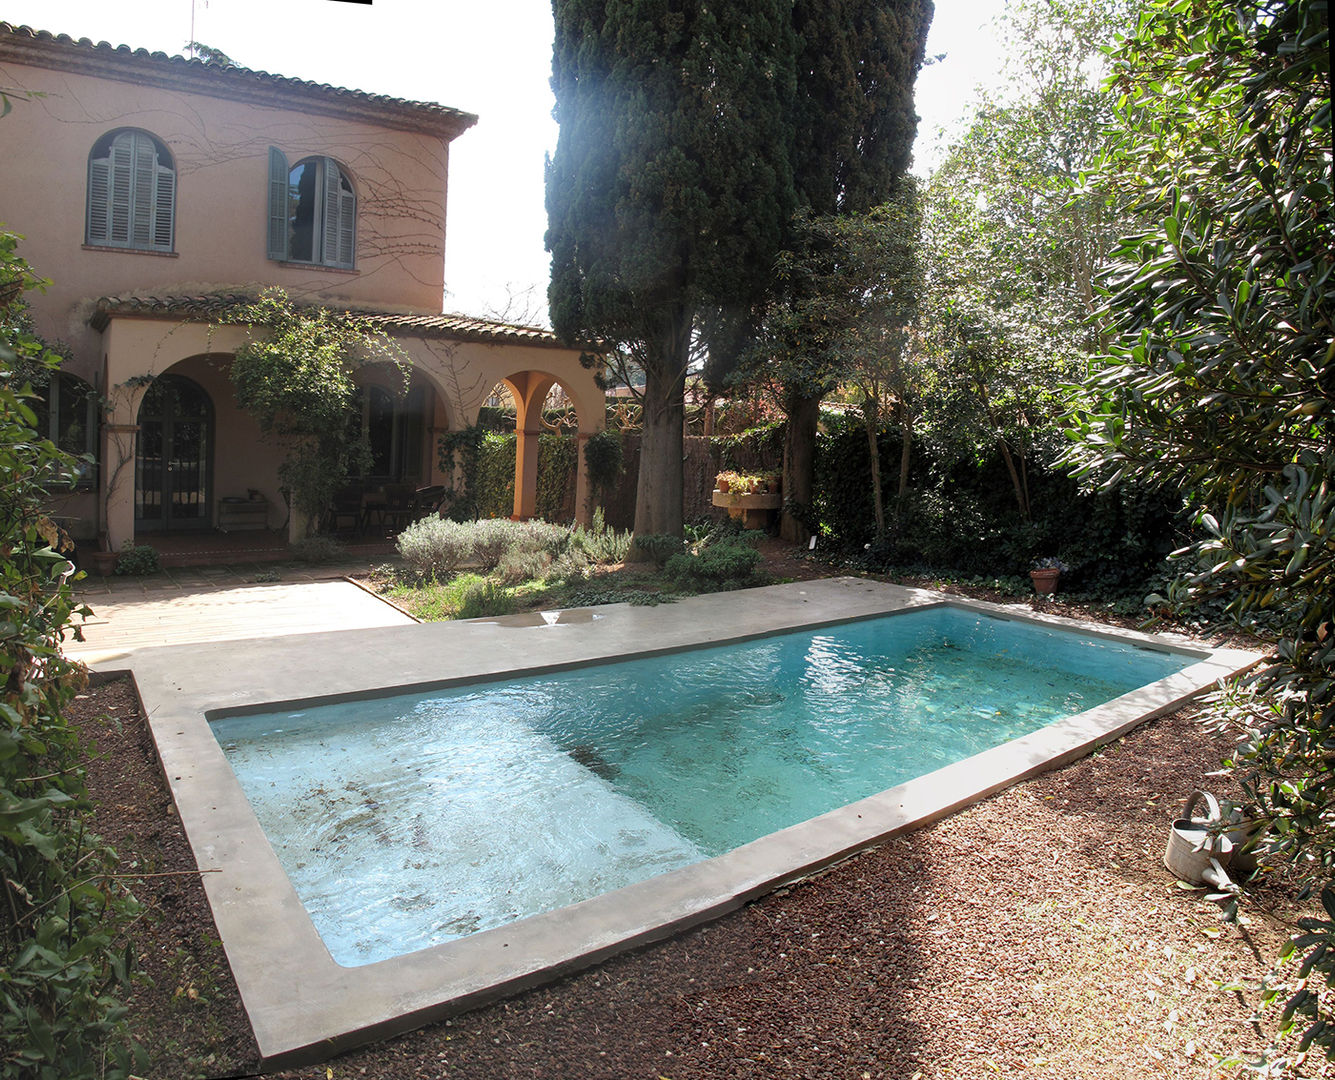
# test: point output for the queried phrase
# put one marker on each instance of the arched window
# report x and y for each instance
(312, 211)
(131, 192)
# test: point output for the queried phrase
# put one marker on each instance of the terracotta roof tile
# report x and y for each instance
(20, 43)
(210, 305)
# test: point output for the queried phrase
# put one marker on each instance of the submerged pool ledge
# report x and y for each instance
(304, 1007)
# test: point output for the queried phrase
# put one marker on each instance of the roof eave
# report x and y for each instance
(142, 68)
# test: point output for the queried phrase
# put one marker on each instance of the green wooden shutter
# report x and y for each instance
(121, 196)
(99, 200)
(347, 223)
(144, 168)
(277, 243)
(164, 209)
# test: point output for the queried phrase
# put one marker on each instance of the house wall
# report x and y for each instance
(458, 374)
(220, 148)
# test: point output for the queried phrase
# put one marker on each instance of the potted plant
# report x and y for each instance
(725, 481)
(1045, 573)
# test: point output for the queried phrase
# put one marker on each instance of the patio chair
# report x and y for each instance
(347, 510)
(427, 500)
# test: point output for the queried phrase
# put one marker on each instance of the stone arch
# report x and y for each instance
(530, 389)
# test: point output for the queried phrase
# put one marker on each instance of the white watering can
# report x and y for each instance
(1203, 850)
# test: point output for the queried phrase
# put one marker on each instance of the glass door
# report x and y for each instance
(173, 467)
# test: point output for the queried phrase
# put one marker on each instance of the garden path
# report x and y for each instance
(204, 604)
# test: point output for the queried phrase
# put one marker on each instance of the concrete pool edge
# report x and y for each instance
(304, 1007)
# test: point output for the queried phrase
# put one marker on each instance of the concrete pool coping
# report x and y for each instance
(304, 1007)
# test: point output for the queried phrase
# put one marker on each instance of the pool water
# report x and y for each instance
(408, 821)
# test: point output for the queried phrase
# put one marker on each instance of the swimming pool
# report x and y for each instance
(303, 1006)
(408, 821)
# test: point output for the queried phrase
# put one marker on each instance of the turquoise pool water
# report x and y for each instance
(408, 821)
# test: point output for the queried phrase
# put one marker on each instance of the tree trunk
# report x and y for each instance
(658, 489)
(799, 463)
(905, 454)
(871, 415)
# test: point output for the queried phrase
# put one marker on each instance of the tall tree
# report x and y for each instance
(1220, 377)
(669, 191)
(1016, 234)
(857, 64)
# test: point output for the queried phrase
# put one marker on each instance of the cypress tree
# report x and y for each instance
(857, 63)
(670, 191)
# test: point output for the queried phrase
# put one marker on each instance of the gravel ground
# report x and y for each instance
(1036, 933)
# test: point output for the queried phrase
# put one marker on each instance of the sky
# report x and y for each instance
(488, 57)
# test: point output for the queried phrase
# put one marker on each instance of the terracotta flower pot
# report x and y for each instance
(105, 561)
(1045, 581)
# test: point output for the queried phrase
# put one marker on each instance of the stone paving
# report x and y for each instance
(223, 603)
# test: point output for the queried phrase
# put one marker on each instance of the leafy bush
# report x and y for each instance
(604, 457)
(63, 955)
(518, 565)
(598, 544)
(659, 546)
(728, 560)
(490, 539)
(138, 560)
(485, 598)
(435, 546)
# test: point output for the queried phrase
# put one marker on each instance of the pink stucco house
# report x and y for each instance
(150, 188)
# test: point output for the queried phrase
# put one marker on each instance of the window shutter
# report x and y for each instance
(329, 241)
(99, 200)
(144, 159)
(121, 190)
(164, 209)
(277, 243)
(347, 224)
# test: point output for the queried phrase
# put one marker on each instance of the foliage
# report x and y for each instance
(1220, 371)
(485, 599)
(659, 546)
(598, 544)
(137, 560)
(733, 559)
(295, 376)
(668, 193)
(605, 461)
(1015, 232)
(855, 127)
(461, 449)
(63, 959)
(558, 462)
(435, 546)
(960, 516)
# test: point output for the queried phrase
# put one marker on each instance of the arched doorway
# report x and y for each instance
(173, 469)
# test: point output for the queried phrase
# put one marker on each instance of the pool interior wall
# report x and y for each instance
(305, 1007)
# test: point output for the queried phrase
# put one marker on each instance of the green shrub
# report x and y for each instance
(727, 560)
(490, 539)
(598, 544)
(317, 549)
(138, 560)
(518, 565)
(659, 546)
(485, 598)
(435, 546)
(605, 459)
(64, 956)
